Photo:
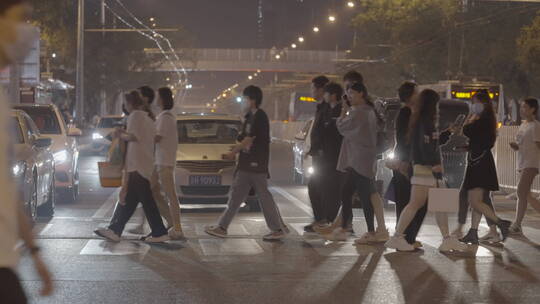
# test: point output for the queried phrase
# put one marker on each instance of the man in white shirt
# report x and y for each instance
(140, 136)
(163, 180)
(14, 42)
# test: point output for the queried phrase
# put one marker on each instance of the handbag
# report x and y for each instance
(111, 171)
(423, 176)
(443, 199)
(110, 175)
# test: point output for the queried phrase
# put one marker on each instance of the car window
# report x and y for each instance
(45, 119)
(109, 122)
(208, 131)
(16, 131)
(31, 128)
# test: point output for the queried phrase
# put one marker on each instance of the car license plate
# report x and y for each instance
(205, 180)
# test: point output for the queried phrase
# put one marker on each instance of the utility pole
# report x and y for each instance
(79, 102)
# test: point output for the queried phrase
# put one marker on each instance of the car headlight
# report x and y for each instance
(60, 156)
(18, 169)
(391, 155)
(97, 136)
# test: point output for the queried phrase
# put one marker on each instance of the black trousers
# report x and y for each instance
(332, 181)
(402, 189)
(10, 288)
(139, 191)
(365, 187)
(315, 190)
(464, 206)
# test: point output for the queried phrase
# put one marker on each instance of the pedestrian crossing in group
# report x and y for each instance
(242, 242)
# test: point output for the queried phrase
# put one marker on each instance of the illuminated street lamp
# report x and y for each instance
(278, 56)
(300, 39)
(350, 4)
(152, 19)
(250, 77)
(316, 29)
(53, 55)
(293, 45)
(332, 18)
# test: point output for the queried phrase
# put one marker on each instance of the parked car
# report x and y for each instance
(64, 147)
(101, 140)
(203, 178)
(303, 167)
(33, 166)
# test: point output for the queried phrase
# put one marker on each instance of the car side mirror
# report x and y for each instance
(42, 142)
(74, 132)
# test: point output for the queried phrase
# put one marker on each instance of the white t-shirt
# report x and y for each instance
(527, 137)
(140, 153)
(9, 232)
(166, 148)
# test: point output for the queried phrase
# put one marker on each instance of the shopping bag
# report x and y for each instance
(110, 175)
(443, 199)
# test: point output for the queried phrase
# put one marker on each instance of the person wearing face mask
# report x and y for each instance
(16, 38)
(252, 170)
(527, 145)
(481, 173)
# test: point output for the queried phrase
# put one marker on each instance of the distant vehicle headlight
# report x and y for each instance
(97, 136)
(60, 156)
(391, 155)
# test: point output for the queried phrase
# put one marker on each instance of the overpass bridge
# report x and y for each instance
(265, 60)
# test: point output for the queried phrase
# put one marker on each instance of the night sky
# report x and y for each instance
(233, 24)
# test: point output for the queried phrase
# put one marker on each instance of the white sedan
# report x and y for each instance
(203, 178)
(64, 146)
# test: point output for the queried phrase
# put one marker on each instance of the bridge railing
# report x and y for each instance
(267, 55)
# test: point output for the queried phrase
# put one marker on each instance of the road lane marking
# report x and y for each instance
(45, 229)
(107, 205)
(298, 203)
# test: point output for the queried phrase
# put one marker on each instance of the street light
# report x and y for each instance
(332, 18)
(316, 29)
(53, 55)
(278, 56)
(300, 39)
(350, 4)
(293, 45)
(152, 19)
(250, 77)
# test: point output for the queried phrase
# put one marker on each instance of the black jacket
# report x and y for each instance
(402, 148)
(425, 144)
(257, 158)
(318, 129)
(331, 138)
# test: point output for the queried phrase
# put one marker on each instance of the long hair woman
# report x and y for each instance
(527, 145)
(358, 125)
(423, 136)
(481, 173)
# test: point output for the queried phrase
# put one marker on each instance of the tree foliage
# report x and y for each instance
(431, 40)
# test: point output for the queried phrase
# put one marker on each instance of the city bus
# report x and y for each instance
(464, 90)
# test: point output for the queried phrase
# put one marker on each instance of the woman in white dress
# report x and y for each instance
(527, 145)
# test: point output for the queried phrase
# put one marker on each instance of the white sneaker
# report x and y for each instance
(159, 239)
(366, 238)
(338, 235)
(382, 235)
(491, 237)
(276, 235)
(139, 229)
(399, 243)
(108, 234)
(176, 234)
(452, 244)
